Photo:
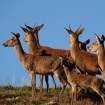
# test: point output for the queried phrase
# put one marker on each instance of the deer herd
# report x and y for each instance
(76, 67)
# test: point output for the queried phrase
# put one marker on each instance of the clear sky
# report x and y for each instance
(55, 15)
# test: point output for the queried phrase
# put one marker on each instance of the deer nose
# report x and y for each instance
(24, 40)
(4, 44)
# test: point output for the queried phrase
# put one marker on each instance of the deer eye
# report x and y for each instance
(12, 39)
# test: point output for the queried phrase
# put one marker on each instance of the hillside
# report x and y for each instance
(10, 95)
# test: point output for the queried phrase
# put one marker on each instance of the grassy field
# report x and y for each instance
(10, 95)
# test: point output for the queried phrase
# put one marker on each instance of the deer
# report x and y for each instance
(85, 61)
(44, 65)
(49, 50)
(76, 79)
(98, 47)
(44, 50)
(33, 49)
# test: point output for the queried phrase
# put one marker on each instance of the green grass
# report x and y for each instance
(10, 95)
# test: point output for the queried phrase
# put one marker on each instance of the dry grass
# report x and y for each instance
(10, 95)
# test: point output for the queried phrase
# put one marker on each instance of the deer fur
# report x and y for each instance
(44, 50)
(44, 65)
(86, 62)
(98, 47)
(49, 50)
(33, 49)
(82, 80)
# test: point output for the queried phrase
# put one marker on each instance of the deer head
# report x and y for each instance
(82, 45)
(94, 46)
(13, 41)
(74, 34)
(74, 42)
(31, 31)
(27, 33)
(67, 61)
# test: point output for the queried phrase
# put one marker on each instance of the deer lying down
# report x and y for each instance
(98, 47)
(82, 80)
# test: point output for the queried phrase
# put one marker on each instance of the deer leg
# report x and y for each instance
(75, 94)
(72, 95)
(33, 83)
(102, 95)
(61, 79)
(46, 79)
(103, 99)
(52, 76)
(41, 83)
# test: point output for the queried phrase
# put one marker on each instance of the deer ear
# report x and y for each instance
(41, 26)
(97, 38)
(69, 30)
(24, 29)
(16, 35)
(103, 38)
(37, 28)
(87, 41)
(80, 31)
(30, 28)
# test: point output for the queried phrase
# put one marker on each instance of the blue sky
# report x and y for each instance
(55, 15)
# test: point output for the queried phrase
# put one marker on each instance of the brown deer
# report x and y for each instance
(43, 50)
(86, 62)
(33, 49)
(98, 46)
(44, 65)
(81, 80)
(49, 50)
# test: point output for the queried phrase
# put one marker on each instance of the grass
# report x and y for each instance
(10, 95)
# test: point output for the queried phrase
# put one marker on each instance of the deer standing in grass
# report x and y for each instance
(81, 80)
(44, 65)
(86, 62)
(33, 49)
(44, 50)
(98, 47)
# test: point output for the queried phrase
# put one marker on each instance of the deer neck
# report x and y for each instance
(70, 73)
(20, 52)
(66, 70)
(32, 45)
(101, 58)
(74, 49)
(37, 39)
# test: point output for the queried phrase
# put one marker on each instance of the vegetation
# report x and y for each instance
(10, 95)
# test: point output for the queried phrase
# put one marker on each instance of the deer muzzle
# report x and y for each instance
(5, 45)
